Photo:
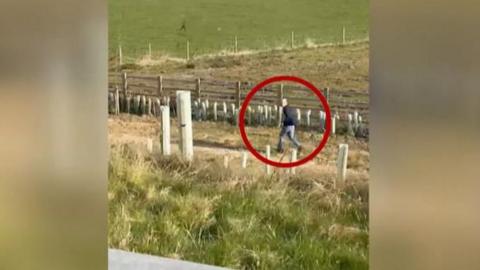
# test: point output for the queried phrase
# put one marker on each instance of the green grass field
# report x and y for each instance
(211, 25)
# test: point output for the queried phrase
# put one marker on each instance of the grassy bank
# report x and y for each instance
(208, 214)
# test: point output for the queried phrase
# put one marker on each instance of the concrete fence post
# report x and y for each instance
(293, 158)
(342, 163)
(268, 168)
(225, 161)
(185, 124)
(333, 124)
(165, 120)
(149, 145)
(244, 159)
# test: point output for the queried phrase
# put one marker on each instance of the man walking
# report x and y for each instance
(288, 127)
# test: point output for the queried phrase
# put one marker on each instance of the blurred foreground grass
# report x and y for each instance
(205, 213)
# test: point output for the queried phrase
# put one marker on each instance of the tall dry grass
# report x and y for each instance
(203, 212)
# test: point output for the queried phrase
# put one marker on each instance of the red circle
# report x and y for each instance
(328, 122)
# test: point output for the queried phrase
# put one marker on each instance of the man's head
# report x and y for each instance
(284, 102)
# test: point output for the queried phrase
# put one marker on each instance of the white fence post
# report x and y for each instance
(267, 154)
(185, 124)
(333, 124)
(165, 115)
(342, 163)
(149, 145)
(244, 159)
(293, 158)
(225, 161)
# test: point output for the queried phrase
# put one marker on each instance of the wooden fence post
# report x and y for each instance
(342, 163)
(197, 88)
(292, 40)
(280, 95)
(165, 115)
(120, 56)
(124, 85)
(293, 158)
(238, 96)
(160, 86)
(326, 93)
(188, 51)
(185, 124)
(268, 168)
(149, 50)
(235, 50)
(343, 35)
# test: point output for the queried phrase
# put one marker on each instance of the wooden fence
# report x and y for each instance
(342, 102)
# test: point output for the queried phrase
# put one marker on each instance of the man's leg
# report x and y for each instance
(280, 139)
(291, 135)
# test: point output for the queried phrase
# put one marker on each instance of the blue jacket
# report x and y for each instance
(289, 116)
